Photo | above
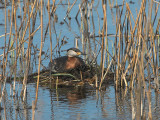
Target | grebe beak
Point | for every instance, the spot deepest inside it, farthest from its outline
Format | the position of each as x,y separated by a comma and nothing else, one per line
80,53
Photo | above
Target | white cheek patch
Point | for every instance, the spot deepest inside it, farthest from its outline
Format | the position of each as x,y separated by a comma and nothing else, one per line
71,53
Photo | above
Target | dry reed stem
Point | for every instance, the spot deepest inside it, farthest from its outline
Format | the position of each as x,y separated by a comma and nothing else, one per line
5,110
3,61
4,88
156,2
49,17
118,57
5,56
152,51
31,13
148,92
28,56
16,37
33,110
57,83
5,23
40,53
140,11
119,66
105,74
155,14
133,105
4,35
138,98
128,8
103,49
135,69
31,35
116,49
54,7
123,76
68,11
52,11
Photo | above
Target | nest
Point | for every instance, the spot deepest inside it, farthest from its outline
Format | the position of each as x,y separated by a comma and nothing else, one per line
71,78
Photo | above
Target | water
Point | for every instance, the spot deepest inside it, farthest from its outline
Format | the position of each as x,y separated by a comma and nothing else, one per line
74,103
71,103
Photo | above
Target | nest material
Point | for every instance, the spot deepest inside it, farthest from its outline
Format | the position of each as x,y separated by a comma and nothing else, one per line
70,78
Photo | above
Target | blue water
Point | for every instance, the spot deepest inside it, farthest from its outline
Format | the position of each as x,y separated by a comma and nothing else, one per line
71,103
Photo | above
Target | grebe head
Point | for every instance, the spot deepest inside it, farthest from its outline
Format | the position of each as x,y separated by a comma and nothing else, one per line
72,52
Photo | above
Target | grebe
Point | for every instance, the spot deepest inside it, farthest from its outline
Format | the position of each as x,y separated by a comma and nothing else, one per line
69,62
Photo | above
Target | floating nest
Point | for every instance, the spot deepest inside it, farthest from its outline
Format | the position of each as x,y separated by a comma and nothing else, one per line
72,78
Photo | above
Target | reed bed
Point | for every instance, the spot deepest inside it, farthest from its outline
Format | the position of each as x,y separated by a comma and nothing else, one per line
134,60
136,44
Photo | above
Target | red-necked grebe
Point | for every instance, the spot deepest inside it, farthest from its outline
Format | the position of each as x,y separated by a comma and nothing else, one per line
69,62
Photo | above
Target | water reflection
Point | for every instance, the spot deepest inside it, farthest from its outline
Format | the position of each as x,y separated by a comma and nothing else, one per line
78,103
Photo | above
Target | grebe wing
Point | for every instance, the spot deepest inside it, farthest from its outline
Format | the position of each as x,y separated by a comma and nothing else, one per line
58,64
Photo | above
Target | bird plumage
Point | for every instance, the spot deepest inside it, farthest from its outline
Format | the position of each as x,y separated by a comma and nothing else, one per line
69,62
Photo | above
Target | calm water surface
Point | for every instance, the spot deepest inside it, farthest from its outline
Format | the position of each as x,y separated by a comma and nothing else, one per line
75,103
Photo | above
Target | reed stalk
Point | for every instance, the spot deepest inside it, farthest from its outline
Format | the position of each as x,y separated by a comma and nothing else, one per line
118,56
50,36
16,37
148,92
33,110
133,106
31,13
57,83
68,11
104,42
138,98
52,12
104,75
5,56
105,45
5,110
36,98
115,45
28,56
3,72
5,32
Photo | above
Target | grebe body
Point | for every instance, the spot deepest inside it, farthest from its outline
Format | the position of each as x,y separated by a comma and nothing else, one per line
69,62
